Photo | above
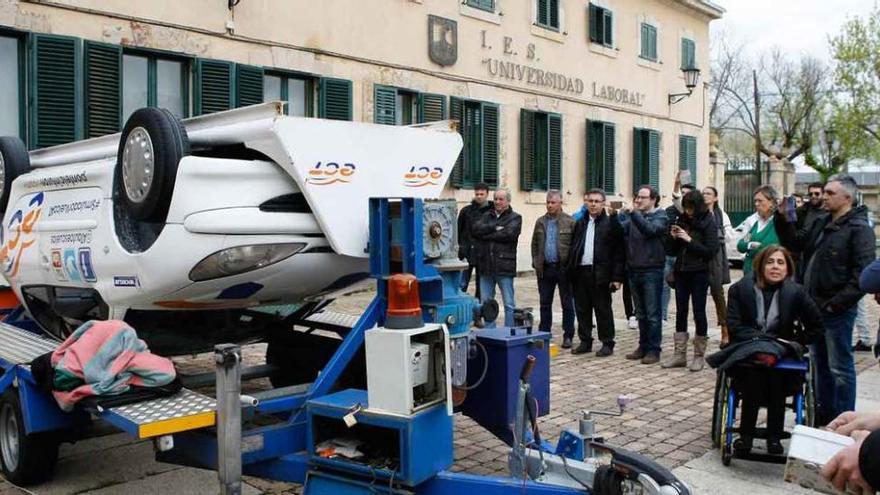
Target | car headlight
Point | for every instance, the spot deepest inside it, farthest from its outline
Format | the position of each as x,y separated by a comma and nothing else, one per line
241,259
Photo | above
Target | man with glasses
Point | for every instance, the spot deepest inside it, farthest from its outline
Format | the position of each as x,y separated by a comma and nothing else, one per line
551,242
645,259
596,269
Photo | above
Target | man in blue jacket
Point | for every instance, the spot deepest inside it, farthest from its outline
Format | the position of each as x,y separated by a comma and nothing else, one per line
645,259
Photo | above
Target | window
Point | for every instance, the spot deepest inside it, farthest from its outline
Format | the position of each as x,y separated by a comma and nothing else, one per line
395,106
11,77
600,156
152,80
687,155
646,157
487,5
548,14
649,42
601,25
540,154
297,90
478,125
688,54
55,106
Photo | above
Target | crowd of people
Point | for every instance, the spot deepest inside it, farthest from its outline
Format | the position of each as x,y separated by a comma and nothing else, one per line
800,287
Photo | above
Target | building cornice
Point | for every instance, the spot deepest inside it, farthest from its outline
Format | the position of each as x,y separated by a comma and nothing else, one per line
706,7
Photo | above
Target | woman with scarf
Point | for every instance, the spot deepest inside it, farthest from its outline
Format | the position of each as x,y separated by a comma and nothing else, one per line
770,317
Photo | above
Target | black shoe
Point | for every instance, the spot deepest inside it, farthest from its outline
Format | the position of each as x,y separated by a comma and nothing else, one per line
605,351
566,342
774,446
861,347
743,445
583,348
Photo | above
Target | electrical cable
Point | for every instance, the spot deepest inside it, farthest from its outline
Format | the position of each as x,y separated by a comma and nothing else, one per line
467,387
572,476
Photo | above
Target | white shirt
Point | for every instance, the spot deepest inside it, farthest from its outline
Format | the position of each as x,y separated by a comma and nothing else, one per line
589,241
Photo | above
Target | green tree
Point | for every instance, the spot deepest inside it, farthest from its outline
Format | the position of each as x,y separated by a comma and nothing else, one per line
856,51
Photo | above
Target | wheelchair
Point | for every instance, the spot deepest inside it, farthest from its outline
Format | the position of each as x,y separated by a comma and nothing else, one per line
727,401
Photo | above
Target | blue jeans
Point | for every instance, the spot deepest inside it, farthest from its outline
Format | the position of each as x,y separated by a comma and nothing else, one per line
664,303
835,366
647,288
487,292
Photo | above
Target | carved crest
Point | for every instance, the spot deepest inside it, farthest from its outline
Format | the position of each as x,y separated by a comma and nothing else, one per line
442,40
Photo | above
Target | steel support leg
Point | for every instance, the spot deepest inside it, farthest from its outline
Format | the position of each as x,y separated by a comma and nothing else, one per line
228,360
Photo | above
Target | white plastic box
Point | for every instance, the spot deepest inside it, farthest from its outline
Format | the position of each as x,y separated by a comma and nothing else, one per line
810,449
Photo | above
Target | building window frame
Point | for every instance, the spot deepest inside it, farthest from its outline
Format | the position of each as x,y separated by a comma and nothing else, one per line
600,25
21,40
311,88
687,155
646,157
649,41
601,156
479,123
153,56
541,153
417,107
548,14
484,5
688,53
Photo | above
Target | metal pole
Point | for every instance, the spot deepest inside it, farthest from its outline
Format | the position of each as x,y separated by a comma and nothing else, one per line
758,129
228,360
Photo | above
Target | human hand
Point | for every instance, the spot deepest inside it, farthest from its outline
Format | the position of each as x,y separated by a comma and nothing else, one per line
754,245
843,469
851,421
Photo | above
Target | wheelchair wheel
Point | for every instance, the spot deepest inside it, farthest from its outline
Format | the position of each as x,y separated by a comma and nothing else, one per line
717,413
726,457
810,397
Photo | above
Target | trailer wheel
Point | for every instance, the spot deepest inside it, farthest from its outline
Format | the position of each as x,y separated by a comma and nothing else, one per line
153,142
25,459
14,161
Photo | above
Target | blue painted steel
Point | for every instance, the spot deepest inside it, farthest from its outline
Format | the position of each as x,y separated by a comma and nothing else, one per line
446,483
39,409
793,365
321,483
571,445
731,414
799,408
424,439
492,404
292,468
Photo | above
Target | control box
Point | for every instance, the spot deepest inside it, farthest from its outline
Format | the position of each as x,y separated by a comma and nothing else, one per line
407,369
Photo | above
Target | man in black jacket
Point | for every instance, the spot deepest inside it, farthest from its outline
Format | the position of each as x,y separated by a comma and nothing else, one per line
596,268
836,247
498,231
468,247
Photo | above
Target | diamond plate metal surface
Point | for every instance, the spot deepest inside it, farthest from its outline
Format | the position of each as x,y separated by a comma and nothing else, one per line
334,318
184,403
21,347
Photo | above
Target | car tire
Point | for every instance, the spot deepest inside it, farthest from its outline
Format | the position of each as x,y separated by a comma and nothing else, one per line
24,459
152,145
14,161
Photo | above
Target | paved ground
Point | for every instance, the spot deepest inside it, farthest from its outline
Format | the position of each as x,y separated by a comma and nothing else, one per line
668,419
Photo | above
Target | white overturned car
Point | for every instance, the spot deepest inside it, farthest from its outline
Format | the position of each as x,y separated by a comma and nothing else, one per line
188,230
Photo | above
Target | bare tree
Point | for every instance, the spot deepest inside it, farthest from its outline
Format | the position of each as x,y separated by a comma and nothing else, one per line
727,66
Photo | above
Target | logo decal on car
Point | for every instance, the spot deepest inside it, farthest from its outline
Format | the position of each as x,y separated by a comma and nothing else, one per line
423,176
85,265
58,265
128,281
71,268
21,236
324,174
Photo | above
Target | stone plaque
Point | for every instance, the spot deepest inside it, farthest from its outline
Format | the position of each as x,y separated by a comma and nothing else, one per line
442,40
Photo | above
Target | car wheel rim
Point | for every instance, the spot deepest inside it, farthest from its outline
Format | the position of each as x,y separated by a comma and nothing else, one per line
9,441
138,165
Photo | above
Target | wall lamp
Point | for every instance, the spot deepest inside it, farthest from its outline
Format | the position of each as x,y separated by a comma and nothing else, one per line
691,76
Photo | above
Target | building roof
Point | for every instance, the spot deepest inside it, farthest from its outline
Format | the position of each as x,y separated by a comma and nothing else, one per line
707,7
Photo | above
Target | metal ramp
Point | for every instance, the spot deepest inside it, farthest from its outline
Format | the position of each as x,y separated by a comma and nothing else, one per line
329,320
186,410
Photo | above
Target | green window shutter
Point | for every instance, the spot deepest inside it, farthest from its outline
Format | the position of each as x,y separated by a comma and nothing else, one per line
554,151
607,27
608,158
490,144
543,17
213,86
639,156
385,105
432,107
688,54
55,110
654,158
594,15
248,85
594,144
488,5
334,99
526,150
103,109
652,36
687,155
455,110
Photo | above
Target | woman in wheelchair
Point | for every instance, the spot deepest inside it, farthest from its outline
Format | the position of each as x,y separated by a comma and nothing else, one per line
769,317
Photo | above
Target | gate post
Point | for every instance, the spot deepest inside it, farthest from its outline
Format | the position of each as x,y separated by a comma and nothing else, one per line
717,165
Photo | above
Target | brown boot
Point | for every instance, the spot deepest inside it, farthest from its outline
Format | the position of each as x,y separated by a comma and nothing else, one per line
700,342
679,353
636,354
725,336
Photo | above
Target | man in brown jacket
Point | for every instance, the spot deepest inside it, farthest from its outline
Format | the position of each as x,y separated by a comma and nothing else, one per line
551,242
